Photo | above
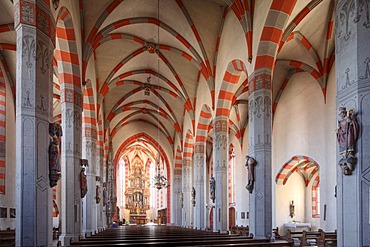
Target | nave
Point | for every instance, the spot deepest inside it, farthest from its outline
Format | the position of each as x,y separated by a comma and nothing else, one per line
201,114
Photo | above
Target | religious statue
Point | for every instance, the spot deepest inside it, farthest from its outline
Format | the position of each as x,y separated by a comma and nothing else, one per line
347,134
97,197
291,209
181,199
104,194
193,196
212,188
250,163
55,131
83,182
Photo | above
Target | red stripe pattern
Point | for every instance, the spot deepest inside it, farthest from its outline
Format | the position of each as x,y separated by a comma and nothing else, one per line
304,165
2,132
315,198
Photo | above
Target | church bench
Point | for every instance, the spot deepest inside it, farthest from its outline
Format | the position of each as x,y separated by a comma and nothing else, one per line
280,243
169,242
7,238
327,239
239,230
307,238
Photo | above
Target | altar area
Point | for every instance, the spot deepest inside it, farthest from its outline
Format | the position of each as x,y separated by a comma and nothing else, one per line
297,226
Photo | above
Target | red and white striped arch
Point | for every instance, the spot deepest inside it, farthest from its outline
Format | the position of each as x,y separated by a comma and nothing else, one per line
303,165
55,205
178,162
272,33
300,16
203,127
315,197
226,95
2,132
243,11
188,146
66,55
89,114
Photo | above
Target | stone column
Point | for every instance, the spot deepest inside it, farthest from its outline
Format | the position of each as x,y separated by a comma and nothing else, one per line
89,205
71,107
99,179
352,57
200,188
33,114
220,162
186,193
110,186
260,124
177,197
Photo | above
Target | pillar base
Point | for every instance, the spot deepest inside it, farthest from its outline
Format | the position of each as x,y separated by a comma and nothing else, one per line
66,239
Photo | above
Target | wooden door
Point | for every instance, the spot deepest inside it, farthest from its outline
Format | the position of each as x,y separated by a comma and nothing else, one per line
231,217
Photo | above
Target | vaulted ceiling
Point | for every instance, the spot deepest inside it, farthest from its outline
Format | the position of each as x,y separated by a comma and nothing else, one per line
152,63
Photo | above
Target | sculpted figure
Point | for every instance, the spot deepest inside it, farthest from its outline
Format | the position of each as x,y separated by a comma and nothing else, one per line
250,163
212,188
97,192
55,131
83,182
347,134
193,196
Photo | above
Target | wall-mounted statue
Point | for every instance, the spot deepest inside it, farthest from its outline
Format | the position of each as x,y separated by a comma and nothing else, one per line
97,196
212,188
291,209
250,163
104,194
193,196
83,182
55,131
347,134
181,199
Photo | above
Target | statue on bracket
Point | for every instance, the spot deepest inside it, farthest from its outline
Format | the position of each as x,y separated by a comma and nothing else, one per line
193,196
55,131
83,180
347,134
250,163
291,209
212,188
97,192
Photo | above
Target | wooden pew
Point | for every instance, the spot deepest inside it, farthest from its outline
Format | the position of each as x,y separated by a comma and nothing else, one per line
309,238
171,236
327,239
7,238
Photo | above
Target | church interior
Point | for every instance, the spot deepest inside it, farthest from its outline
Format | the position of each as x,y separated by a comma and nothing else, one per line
198,115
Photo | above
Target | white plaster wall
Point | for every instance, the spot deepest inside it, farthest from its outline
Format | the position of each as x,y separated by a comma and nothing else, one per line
242,195
8,200
303,125
329,171
293,190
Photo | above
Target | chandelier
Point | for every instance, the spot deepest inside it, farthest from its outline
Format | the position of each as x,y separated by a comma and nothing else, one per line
159,180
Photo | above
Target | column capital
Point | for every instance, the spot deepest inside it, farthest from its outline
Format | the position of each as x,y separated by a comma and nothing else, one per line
260,80
36,14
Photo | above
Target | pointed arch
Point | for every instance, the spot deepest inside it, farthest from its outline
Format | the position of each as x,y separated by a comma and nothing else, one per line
303,165
226,95
67,58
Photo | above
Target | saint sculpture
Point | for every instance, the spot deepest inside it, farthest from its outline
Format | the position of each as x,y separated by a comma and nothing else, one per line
347,135
55,131
250,163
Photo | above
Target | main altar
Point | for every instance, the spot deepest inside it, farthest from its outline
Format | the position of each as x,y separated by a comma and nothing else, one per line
138,193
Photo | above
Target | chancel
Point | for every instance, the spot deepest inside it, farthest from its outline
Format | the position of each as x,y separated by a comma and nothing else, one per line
184,122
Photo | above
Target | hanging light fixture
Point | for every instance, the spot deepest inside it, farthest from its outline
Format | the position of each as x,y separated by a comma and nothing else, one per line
160,181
